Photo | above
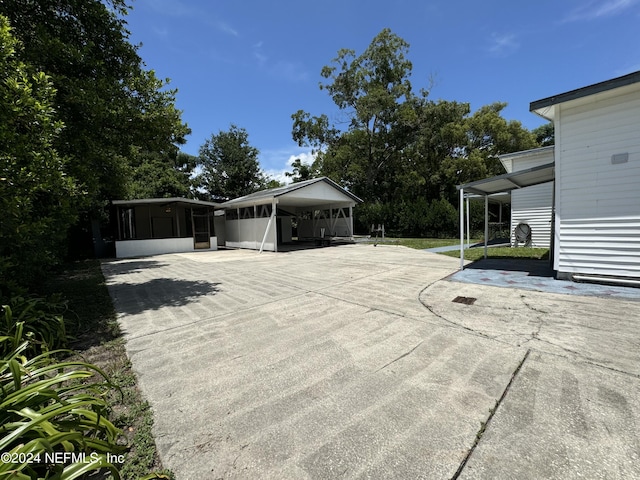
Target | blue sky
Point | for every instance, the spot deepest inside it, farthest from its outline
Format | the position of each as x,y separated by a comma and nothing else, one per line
254,63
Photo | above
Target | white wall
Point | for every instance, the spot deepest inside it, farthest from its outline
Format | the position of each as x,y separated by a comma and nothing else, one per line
533,205
341,228
157,246
597,202
249,232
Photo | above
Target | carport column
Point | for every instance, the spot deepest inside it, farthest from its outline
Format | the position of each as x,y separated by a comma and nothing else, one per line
351,219
486,223
468,229
462,229
331,220
274,214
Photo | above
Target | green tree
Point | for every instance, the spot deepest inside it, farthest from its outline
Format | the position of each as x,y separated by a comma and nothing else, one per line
162,176
374,92
111,106
401,152
35,192
302,171
486,136
545,134
230,166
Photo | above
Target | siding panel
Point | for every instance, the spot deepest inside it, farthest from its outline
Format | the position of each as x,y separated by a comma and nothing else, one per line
532,205
598,208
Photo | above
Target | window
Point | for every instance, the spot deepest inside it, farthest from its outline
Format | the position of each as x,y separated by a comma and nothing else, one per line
127,221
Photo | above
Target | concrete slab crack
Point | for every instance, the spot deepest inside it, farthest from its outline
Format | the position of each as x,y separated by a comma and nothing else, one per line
484,425
401,356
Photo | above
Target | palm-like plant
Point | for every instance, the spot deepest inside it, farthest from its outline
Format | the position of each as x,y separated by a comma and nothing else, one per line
48,406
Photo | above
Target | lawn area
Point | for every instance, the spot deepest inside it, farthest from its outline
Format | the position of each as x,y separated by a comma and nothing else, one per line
469,254
419,243
501,252
96,338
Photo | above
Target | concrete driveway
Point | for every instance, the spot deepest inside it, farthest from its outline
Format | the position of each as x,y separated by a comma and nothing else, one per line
353,362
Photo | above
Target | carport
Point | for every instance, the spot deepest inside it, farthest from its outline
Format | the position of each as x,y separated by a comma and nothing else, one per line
319,209
500,185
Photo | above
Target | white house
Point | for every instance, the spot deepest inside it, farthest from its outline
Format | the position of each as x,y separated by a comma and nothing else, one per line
531,205
597,178
595,233
264,220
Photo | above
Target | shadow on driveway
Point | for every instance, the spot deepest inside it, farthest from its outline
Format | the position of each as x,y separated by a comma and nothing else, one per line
135,298
137,266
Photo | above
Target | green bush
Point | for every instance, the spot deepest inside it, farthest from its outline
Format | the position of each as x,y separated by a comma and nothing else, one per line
41,323
47,408
442,219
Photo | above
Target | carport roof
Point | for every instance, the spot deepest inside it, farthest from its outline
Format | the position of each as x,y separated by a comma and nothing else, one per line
264,195
511,181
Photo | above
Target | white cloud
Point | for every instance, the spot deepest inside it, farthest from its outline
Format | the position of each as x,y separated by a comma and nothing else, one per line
261,58
293,72
503,44
306,158
274,164
279,175
226,28
177,8
596,9
161,32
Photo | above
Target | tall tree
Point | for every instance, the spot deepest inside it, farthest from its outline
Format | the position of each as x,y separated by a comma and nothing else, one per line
401,152
487,135
302,171
230,166
111,106
158,175
545,134
35,193
374,90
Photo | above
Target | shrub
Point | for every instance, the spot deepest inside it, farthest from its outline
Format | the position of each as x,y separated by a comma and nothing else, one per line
41,323
442,219
49,407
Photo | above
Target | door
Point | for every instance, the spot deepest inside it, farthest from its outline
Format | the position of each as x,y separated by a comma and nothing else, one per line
201,230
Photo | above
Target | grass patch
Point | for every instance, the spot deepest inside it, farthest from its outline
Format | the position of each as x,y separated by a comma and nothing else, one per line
501,252
96,338
418,243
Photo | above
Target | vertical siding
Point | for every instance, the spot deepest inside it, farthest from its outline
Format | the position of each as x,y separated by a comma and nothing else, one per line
598,207
532,205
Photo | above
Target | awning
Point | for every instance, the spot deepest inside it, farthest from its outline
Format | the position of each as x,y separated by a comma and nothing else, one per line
500,184
511,181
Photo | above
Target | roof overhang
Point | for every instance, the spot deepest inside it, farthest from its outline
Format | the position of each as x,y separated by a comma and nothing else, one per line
511,181
546,106
315,192
165,201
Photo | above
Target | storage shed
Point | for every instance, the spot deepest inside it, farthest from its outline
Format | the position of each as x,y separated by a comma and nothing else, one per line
319,209
163,225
